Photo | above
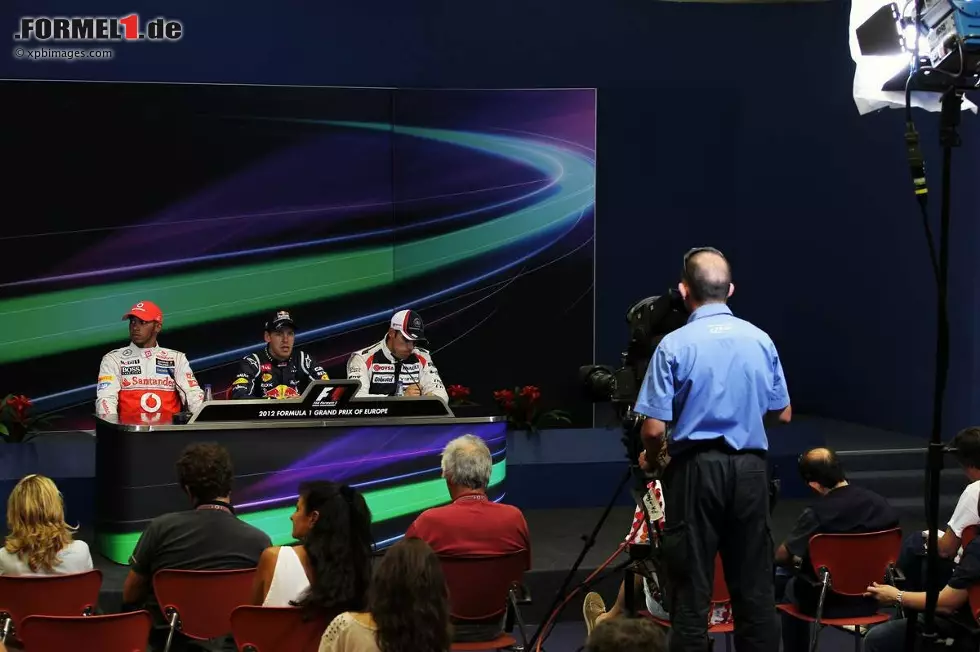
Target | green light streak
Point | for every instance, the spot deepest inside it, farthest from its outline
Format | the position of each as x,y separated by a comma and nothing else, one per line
52,322
385,504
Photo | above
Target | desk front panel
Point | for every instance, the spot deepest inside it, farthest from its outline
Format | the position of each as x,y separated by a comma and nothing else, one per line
395,467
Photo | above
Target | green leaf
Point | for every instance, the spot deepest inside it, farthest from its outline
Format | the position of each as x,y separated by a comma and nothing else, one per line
3,430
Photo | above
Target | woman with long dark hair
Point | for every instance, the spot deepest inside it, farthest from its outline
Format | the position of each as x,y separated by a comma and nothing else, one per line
408,607
330,570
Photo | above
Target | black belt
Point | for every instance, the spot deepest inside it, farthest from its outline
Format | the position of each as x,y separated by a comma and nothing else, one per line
717,444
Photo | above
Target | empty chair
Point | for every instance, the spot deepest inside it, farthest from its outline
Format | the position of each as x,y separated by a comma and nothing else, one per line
126,632
275,629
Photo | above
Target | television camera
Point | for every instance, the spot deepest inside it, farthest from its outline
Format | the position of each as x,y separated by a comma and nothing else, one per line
649,321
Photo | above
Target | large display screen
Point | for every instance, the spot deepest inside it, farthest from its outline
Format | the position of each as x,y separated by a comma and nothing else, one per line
221,203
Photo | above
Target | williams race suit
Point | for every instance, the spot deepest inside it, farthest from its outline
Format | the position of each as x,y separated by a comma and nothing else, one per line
261,375
138,385
381,375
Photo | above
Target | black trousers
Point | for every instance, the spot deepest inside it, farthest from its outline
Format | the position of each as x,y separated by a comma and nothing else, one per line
717,501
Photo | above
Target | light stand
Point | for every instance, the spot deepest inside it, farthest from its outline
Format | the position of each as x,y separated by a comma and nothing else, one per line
948,138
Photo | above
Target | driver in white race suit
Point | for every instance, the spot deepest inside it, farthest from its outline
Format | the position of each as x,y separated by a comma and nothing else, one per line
395,366
143,382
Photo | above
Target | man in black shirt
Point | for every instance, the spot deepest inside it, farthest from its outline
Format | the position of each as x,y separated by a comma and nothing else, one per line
279,370
843,508
952,607
207,537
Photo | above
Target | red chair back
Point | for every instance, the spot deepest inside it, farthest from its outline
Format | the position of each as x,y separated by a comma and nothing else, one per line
969,534
276,629
203,600
719,593
478,586
126,632
975,601
49,595
855,560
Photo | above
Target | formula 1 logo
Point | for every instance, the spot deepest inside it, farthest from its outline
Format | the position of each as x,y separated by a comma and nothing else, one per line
97,29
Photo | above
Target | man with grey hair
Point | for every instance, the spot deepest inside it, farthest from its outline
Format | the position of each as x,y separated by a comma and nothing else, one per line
471,525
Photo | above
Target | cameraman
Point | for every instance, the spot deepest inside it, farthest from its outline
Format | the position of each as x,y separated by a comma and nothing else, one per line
716,380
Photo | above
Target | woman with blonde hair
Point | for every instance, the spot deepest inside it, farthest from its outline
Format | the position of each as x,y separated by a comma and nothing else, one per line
40,541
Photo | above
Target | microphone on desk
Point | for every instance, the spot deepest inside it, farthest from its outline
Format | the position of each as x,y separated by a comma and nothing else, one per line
182,417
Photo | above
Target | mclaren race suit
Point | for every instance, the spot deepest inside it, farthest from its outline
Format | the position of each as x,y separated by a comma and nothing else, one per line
381,375
146,385
261,375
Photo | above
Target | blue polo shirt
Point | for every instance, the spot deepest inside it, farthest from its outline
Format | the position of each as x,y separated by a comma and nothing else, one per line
714,378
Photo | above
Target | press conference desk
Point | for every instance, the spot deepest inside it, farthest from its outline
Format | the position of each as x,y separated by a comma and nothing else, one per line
393,460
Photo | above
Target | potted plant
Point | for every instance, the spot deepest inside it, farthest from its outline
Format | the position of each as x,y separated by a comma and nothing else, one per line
17,419
459,395
522,409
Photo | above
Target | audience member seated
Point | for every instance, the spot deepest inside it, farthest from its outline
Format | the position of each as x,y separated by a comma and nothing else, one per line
594,608
40,541
330,570
206,537
912,560
842,508
627,635
952,609
471,525
408,607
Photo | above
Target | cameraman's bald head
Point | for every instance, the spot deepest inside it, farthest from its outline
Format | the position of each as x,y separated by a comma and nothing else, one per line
707,277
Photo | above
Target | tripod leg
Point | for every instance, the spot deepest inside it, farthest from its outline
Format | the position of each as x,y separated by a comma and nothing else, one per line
589,543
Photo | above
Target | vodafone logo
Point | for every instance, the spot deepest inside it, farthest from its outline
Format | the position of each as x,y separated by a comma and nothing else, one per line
150,402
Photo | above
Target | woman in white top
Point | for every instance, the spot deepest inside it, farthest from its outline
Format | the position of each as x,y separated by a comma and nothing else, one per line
330,570
40,541
408,607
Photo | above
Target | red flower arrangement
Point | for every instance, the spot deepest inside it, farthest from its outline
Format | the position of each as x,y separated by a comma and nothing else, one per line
521,407
16,420
459,395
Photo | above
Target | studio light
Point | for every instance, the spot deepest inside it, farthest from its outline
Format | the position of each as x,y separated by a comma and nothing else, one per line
930,44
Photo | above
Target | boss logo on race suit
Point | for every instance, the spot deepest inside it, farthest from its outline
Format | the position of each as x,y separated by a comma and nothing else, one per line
383,368
131,371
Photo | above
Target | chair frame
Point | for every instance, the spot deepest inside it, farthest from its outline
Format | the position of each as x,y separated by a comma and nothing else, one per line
892,575
517,594
171,613
9,628
106,618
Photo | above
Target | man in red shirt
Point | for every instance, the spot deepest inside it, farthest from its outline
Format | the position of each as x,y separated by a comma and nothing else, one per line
471,525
